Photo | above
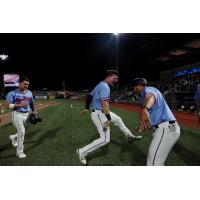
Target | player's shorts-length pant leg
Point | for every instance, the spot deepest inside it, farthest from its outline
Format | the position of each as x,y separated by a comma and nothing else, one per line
98,119
164,138
117,121
19,120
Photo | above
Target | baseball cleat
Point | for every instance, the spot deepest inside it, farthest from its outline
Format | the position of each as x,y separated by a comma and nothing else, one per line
134,138
21,155
81,158
13,140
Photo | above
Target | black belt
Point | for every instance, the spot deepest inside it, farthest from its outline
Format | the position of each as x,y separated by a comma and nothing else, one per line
22,111
99,110
157,125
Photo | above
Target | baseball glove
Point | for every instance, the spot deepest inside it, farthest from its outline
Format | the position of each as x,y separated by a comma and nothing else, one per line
34,119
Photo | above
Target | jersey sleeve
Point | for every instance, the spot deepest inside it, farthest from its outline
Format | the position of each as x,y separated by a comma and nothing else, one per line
104,93
10,98
151,91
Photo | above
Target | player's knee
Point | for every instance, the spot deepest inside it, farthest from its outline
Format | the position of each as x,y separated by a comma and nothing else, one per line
105,143
107,140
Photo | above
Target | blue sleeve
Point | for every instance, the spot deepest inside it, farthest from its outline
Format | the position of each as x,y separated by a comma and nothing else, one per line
151,91
104,93
10,97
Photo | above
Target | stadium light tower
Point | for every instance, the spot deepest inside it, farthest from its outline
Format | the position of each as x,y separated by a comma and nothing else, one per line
116,50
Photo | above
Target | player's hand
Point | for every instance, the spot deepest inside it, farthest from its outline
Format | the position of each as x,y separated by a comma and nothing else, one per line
144,120
2,111
35,112
83,112
106,125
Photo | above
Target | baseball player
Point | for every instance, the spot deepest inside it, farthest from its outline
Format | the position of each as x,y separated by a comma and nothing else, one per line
21,102
102,117
155,114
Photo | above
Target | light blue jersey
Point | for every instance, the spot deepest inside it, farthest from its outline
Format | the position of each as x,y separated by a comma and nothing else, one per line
197,94
100,92
17,97
160,112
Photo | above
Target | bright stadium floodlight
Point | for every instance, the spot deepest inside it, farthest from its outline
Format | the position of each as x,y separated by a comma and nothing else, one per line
3,57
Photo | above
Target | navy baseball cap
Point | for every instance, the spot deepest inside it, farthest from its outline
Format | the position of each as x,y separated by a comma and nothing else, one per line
139,81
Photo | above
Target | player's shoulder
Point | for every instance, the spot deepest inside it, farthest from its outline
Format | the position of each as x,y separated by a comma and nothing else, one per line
103,84
13,92
28,91
152,90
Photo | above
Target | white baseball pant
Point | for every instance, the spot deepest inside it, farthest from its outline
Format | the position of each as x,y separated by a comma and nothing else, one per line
19,122
164,138
99,119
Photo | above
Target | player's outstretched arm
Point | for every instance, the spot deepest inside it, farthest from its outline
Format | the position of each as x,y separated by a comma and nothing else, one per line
144,116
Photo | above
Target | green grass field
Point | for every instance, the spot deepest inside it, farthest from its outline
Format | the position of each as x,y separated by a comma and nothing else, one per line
55,140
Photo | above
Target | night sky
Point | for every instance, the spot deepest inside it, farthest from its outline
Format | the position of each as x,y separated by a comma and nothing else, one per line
82,59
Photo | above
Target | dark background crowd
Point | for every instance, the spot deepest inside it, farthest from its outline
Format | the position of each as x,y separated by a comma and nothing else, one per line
178,92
